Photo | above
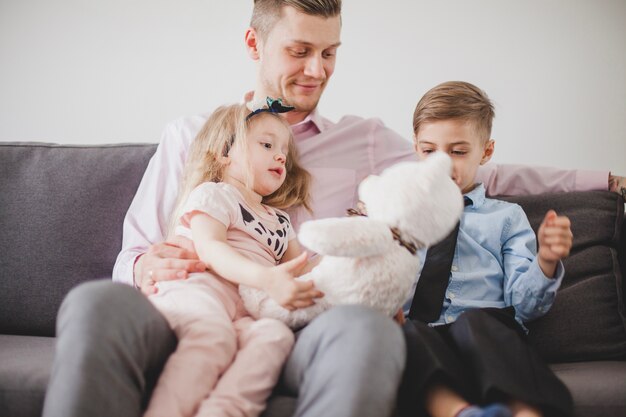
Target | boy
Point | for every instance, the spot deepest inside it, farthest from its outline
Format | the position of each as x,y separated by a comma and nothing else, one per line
473,349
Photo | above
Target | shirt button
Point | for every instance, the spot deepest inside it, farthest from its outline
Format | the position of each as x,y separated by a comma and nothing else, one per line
448,318
451,296
454,268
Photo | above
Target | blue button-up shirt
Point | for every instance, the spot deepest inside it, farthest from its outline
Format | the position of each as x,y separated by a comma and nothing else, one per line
495,263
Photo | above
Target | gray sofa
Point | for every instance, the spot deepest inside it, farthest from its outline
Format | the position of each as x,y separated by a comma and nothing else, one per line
61,212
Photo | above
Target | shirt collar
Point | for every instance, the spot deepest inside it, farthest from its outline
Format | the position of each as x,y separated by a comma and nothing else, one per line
313,119
477,196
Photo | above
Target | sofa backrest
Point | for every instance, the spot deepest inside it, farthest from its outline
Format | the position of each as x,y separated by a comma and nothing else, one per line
587,320
61,214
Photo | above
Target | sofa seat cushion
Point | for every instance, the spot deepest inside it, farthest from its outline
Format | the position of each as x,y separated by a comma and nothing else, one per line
598,388
25,365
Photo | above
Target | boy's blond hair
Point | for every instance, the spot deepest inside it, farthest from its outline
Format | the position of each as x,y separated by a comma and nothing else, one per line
226,128
267,12
456,100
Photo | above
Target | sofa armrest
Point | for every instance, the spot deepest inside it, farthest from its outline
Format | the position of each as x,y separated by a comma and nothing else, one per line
587,320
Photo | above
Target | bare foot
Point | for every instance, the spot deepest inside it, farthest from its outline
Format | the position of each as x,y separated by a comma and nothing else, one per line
442,401
521,409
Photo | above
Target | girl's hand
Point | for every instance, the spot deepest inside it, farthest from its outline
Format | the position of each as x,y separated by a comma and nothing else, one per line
285,290
555,241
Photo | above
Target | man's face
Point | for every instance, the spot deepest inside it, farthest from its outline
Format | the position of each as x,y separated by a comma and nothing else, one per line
297,58
460,140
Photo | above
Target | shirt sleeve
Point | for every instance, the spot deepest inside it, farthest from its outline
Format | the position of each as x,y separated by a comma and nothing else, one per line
526,287
212,199
148,215
524,180
387,148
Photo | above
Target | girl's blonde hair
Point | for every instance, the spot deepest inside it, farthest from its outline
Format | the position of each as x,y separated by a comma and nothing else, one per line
206,162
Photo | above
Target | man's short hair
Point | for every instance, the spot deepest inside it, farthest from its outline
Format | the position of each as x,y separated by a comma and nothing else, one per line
456,100
267,12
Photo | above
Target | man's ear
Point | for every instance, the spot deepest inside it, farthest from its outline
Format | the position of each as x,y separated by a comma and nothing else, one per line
488,152
252,43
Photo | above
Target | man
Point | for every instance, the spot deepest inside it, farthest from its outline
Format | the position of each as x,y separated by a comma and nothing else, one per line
349,361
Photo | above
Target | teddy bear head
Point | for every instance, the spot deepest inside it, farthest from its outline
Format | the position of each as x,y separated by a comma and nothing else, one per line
419,199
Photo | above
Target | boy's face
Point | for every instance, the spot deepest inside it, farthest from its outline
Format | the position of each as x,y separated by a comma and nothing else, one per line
297,58
460,140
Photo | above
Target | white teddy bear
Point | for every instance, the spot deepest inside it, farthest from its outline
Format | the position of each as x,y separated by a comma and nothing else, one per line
370,260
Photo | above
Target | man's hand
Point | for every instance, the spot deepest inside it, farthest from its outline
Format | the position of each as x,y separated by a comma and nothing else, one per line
170,260
555,241
617,184
285,290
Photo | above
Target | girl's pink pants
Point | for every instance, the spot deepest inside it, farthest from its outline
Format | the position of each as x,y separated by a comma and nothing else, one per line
226,363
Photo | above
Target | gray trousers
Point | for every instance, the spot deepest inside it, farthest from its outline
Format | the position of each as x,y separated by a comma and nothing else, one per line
112,344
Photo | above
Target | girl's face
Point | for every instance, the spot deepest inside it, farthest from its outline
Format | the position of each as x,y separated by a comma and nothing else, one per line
267,153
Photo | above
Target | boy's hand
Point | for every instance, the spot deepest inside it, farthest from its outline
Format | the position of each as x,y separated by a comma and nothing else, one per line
399,317
285,290
555,241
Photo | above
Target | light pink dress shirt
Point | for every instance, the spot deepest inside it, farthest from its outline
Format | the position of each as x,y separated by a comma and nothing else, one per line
338,156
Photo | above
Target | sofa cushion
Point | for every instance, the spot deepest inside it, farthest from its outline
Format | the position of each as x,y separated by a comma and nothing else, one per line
61,214
25,365
280,406
598,388
587,319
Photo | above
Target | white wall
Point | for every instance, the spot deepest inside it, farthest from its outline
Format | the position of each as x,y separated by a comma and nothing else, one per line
86,71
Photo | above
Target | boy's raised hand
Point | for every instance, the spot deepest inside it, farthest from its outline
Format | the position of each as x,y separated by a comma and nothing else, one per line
281,285
555,241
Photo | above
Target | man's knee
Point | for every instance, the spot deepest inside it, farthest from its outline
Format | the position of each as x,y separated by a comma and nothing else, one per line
94,294
102,310
101,301
361,328
113,332
355,347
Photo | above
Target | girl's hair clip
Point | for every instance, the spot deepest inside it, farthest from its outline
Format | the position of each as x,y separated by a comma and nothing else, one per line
273,106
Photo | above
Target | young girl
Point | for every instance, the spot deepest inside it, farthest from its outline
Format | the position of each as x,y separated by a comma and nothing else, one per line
241,171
